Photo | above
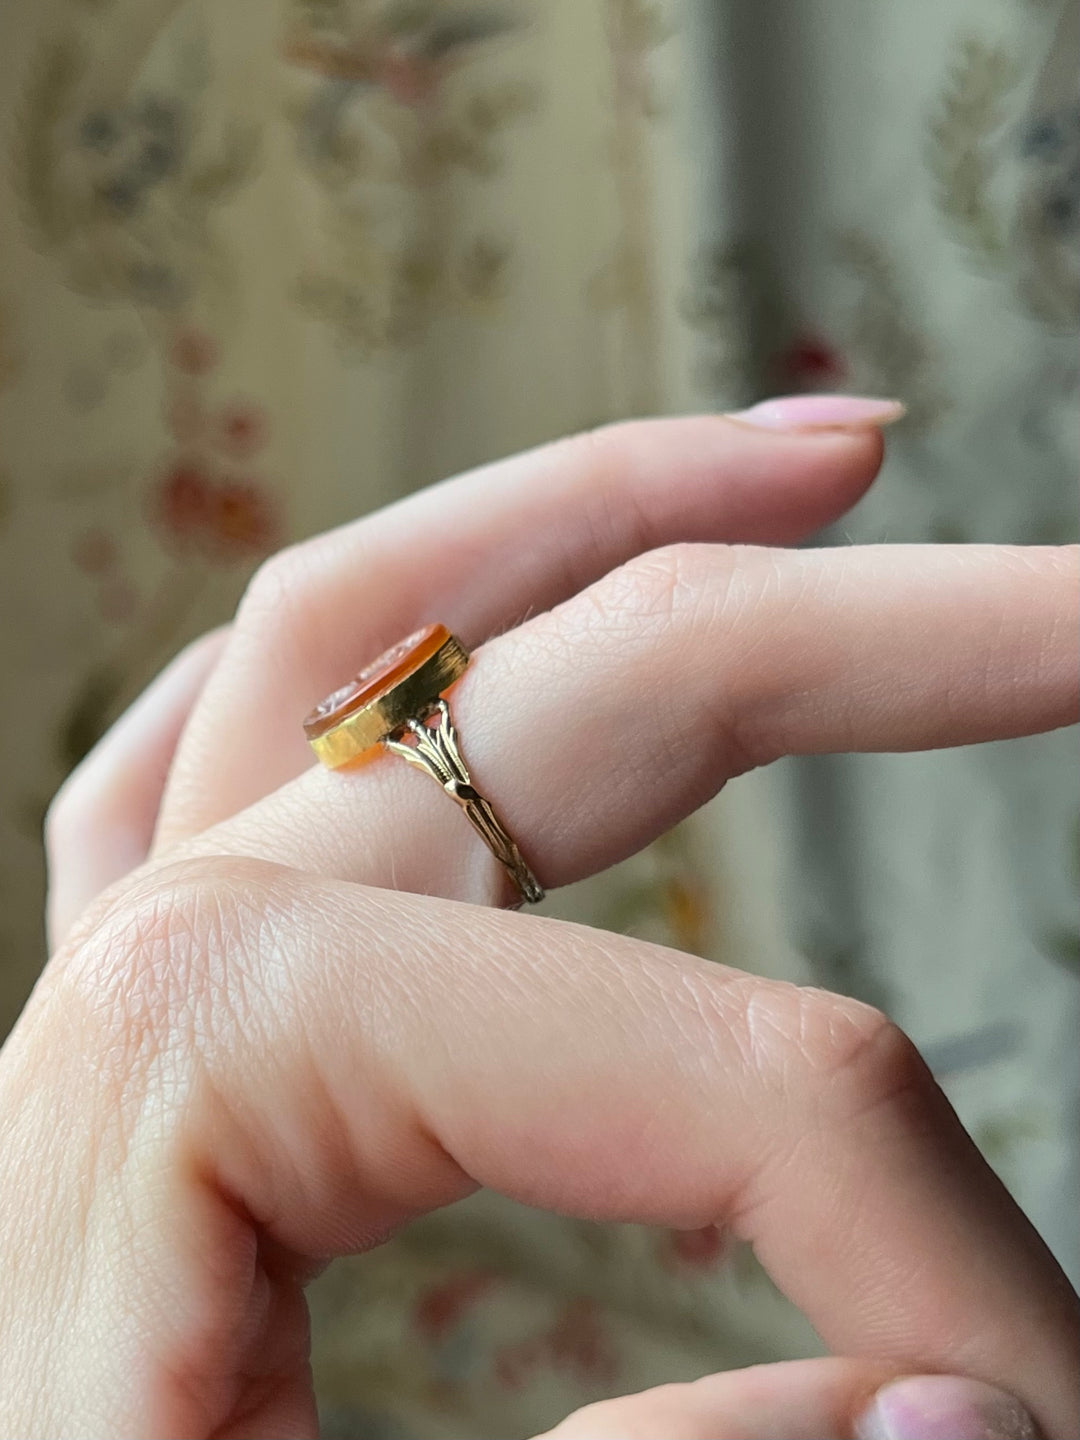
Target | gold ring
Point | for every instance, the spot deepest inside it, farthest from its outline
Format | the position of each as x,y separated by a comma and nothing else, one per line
398,701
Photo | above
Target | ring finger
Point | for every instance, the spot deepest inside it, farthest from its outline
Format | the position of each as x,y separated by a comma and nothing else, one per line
596,726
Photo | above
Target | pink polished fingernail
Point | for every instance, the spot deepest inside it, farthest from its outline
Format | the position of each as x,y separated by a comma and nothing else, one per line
943,1407
821,412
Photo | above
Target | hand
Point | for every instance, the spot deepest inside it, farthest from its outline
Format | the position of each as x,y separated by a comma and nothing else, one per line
245,1058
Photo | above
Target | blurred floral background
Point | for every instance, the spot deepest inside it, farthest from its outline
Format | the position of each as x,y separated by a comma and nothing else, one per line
266,264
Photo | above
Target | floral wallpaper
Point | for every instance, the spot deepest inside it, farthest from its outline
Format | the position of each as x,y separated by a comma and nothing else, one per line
267,264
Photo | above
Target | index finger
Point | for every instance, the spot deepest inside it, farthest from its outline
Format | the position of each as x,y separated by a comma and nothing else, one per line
363,1056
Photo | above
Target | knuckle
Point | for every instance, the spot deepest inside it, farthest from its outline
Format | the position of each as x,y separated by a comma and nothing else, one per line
588,453
699,583
670,579
687,594
886,1072
616,513
851,1058
838,1072
153,968
600,454
664,584
129,1010
133,969
276,589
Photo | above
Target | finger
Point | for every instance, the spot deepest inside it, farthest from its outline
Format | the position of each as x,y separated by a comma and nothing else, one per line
806,1400
101,821
478,553
359,1056
800,1400
596,727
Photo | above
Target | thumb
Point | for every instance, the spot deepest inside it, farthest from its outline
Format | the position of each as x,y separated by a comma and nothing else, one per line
807,1400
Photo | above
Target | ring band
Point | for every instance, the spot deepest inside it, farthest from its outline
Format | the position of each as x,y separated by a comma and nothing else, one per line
435,749
398,702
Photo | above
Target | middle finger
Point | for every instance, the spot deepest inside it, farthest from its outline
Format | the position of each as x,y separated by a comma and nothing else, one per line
478,553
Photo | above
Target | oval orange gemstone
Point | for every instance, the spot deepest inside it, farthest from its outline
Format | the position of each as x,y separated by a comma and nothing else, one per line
376,679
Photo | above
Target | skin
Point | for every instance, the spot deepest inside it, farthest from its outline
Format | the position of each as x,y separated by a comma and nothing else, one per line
284,1014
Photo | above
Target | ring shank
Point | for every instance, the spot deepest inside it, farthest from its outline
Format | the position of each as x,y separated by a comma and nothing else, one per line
392,703
436,750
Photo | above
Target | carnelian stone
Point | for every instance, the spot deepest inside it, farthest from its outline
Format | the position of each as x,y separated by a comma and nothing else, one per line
376,679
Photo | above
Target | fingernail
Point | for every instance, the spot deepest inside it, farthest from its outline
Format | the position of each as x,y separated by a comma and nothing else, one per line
943,1407
821,412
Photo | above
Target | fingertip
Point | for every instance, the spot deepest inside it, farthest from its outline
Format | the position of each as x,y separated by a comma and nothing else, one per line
714,478
799,1399
943,1407
827,1399
840,467
794,482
